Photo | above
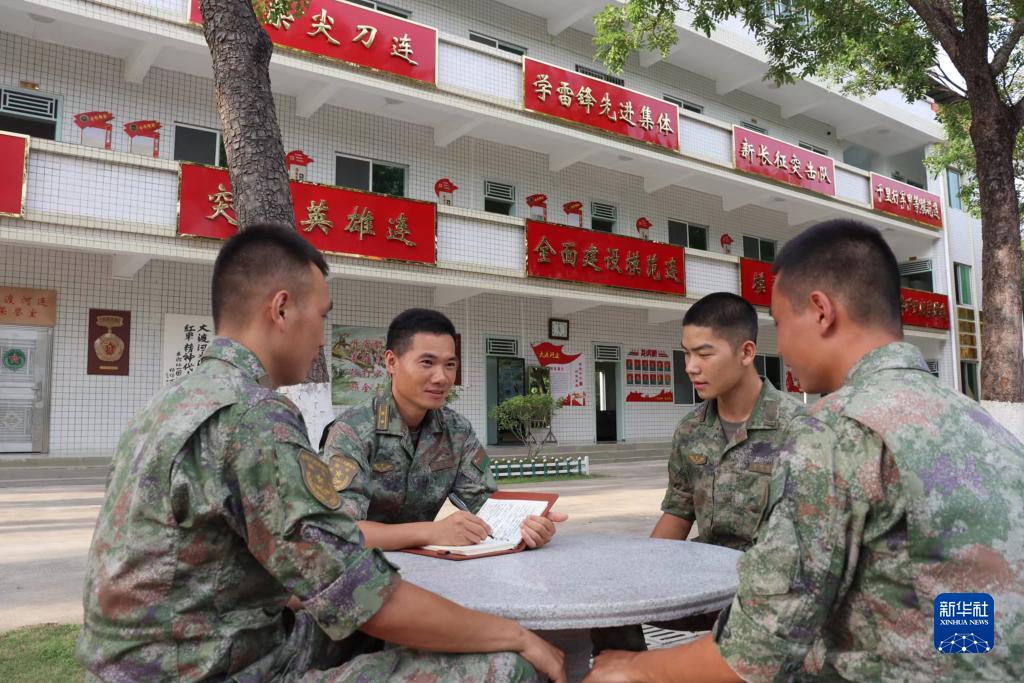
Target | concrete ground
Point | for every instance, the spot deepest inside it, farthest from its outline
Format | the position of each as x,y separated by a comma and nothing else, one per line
46,527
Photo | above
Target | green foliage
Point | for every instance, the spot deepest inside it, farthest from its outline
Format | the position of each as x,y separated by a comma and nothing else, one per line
519,414
275,10
39,653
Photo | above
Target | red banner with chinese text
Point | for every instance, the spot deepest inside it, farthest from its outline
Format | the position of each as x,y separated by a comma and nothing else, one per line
357,35
334,220
756,281
925,309
13,174
565,94
765,156
905,201
569,254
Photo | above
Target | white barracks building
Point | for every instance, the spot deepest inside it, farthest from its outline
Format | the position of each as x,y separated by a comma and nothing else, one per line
467,155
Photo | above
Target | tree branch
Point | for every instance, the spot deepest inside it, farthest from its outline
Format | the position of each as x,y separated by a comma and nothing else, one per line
939,19
1002,56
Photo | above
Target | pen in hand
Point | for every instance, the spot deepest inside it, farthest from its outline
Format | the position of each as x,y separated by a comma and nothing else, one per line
459,503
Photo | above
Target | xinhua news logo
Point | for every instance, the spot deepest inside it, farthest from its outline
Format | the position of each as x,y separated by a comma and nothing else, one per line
964,623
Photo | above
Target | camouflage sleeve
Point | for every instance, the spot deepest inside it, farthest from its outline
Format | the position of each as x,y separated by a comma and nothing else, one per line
289,515
348,457
790,579
474,483
678,500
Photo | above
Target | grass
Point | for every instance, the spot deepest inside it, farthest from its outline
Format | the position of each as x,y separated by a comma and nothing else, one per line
39,653
542,478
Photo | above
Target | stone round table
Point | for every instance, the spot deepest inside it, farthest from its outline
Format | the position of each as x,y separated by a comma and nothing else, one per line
579,582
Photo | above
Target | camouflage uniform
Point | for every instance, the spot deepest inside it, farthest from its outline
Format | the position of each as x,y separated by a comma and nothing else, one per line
383,477
894,490
724,485
216,512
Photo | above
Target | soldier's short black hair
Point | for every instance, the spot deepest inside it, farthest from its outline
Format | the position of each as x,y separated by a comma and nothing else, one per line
258,257
849,261
729,316
411,322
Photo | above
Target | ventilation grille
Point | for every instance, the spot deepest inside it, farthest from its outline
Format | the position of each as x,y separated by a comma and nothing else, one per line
497,346
933,367
501,191
754,127
610,354
22,103
603,211
594,73
915,267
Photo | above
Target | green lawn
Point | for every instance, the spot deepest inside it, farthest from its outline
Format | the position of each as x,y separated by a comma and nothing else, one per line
39,653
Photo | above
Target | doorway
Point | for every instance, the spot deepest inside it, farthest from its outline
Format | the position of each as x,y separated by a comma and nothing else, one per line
606,393
506,377
25,388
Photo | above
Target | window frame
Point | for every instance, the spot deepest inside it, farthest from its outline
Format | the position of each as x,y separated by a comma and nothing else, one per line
960,284
58,112
684,105
600,75
811,147
499,44
763,357
689,237
953,198
679,361
614,222
511,203
384,8
372,163
218,161
760,240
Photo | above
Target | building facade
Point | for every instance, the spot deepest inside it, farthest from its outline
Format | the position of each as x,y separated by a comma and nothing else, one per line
469,156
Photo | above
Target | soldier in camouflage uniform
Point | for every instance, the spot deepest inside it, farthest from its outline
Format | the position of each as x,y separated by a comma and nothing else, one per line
723,451
894,490
396,458
217,510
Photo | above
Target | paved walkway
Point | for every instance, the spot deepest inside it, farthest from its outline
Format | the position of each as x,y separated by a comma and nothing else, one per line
45,530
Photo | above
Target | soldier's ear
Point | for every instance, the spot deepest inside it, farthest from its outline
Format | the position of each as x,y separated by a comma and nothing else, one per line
278,305
823,308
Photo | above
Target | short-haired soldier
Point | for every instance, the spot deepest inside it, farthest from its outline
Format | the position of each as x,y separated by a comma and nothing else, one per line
217,510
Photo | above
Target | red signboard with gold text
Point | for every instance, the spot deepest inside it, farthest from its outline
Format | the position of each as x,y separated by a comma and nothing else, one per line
925,309
905,201
357,35
569,254
334,220
765,156
13,174
565,94
756,281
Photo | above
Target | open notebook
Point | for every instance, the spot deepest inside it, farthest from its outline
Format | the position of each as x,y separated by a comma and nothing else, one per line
505,512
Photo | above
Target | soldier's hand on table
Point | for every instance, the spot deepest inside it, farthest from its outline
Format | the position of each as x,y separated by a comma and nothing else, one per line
612,666
460,528
547,659
537,531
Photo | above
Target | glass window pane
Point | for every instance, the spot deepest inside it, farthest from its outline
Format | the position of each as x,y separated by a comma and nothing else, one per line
193,144
773,371
751,248
698,237
602,225
496,206
953,185
767,251
389,179
682,387
353,173
759,365
969,379
36,128
963,285
677,233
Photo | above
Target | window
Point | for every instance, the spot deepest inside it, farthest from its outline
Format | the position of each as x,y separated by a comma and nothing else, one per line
917,275
688,235
754,127
369,175
759,249
769,368
602,217
28,113
969,379
494,42
780,10
682,387
386,9
684,104
499,198
813,148
954,186
963,284
199,145
594,73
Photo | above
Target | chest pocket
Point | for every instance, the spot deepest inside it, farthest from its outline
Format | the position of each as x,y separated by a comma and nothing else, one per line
443,461
387,486
750,497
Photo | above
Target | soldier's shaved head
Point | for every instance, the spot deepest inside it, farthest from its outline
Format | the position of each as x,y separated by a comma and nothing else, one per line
256,262
729,316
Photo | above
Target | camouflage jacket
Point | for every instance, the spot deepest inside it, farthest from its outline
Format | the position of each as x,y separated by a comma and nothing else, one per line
382,477
215,513
894,490
724,485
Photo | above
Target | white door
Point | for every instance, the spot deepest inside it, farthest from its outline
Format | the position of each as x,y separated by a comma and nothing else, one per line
24,388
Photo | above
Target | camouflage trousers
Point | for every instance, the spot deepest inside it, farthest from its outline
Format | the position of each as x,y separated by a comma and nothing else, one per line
309,656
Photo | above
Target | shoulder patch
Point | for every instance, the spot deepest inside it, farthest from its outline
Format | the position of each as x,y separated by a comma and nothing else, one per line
343,471
480,460
697,459
317,478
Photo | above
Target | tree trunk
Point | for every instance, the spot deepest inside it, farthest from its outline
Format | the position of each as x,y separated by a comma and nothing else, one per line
240,51
993,131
